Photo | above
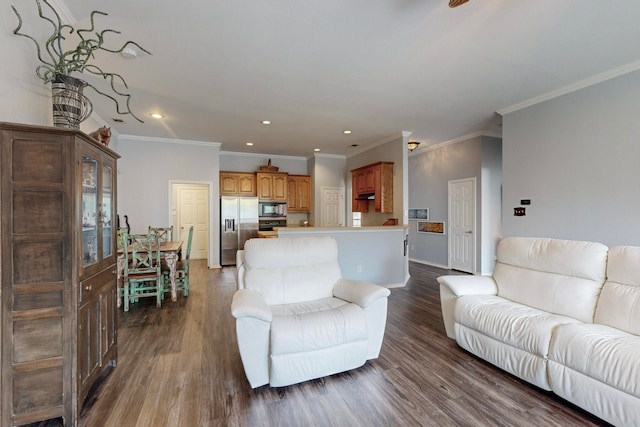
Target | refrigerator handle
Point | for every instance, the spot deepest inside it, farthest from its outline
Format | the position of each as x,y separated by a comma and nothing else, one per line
233,224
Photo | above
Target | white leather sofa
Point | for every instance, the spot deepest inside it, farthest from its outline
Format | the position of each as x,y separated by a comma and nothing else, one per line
563,315
296,318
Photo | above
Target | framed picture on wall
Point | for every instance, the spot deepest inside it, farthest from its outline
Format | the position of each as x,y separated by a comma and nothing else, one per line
433,227
419,213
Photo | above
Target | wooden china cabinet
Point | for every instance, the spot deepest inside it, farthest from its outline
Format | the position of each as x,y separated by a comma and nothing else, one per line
58,270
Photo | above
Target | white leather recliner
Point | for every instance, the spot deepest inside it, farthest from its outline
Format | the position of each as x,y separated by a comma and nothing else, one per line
296,317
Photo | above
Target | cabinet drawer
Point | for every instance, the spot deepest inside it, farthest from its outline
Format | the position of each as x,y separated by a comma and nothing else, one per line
92,286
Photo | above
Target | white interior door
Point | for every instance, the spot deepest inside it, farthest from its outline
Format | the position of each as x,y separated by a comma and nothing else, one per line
192,209
462,233
332,207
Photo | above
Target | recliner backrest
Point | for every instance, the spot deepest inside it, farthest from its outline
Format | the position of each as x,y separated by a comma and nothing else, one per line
559,276
619,303
288,270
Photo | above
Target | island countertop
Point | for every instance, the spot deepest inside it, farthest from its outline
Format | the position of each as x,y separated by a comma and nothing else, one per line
316,230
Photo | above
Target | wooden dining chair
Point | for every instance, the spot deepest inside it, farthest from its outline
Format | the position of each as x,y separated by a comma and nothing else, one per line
182,269
142,268
165,234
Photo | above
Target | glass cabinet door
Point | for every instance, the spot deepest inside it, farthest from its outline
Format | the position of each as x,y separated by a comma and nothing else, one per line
90,213
106,211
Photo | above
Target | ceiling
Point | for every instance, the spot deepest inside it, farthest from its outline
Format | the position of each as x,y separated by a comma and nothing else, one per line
376,68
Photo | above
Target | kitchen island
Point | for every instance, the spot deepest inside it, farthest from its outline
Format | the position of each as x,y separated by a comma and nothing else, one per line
373,254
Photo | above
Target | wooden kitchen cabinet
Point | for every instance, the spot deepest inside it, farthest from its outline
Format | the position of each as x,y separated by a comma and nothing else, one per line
299,193
58,267
237,183
272,186
376,179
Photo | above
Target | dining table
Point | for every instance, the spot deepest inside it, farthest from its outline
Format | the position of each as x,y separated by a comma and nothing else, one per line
170,252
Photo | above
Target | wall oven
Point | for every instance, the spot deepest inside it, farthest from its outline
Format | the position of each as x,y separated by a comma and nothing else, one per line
266,224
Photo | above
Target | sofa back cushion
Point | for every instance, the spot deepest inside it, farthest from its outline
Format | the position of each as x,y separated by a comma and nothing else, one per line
619,303
558,276
289,270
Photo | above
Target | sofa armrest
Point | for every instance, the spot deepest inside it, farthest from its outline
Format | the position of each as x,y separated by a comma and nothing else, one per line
361,293
248,303
469,285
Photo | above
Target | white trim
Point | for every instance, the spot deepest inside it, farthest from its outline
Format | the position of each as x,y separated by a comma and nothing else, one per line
332,156
419,261
474,218
210,185
589,81
374,145
270,156
463,138
168,140
66,16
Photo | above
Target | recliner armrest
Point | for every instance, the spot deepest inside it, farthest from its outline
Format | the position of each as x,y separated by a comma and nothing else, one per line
469,285
248,303
361,293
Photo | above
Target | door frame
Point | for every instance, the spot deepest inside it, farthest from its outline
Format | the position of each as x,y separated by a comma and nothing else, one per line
173,214
474,241
343,209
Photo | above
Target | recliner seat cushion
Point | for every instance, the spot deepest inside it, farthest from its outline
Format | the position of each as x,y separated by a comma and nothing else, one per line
606,354
317,329
515,324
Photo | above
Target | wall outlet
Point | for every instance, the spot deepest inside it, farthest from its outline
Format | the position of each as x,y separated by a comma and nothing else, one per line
359,269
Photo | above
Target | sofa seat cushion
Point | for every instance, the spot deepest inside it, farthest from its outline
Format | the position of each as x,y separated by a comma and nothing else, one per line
606,354
515,324
306,330
323,304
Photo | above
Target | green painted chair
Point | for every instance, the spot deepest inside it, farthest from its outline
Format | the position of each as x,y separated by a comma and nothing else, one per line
165,234
142,270
182,270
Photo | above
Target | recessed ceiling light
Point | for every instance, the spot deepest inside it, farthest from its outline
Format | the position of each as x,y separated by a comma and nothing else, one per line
250,144
346,132
266,122
157,115
354,145
316,149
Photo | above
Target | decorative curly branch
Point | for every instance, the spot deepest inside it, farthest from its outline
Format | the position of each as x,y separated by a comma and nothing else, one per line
65,62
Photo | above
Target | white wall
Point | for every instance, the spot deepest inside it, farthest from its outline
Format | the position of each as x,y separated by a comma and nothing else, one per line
577,157
145,171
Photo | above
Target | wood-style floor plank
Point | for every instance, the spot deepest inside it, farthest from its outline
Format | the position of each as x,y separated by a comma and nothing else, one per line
179,366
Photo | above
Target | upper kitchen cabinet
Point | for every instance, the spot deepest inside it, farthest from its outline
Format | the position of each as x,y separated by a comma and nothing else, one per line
272,186
373,182
299,193
237,183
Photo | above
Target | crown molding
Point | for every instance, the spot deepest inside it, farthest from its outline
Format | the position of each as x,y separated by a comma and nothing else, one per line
271,156
589,81
463,138
168,140
331,156
375,144
66,16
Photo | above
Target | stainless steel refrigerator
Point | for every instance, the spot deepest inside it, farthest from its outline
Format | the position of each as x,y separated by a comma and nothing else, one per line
239,222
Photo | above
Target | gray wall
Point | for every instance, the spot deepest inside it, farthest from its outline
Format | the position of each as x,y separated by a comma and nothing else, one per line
393,151
429,175
577,157
243,162
145,173
326,171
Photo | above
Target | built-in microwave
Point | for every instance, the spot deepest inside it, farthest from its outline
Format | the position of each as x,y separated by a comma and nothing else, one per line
272,209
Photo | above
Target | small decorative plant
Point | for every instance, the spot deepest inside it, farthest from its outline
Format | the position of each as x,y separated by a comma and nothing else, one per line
58,62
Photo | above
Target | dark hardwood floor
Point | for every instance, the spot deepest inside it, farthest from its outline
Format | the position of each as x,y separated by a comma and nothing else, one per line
179,366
